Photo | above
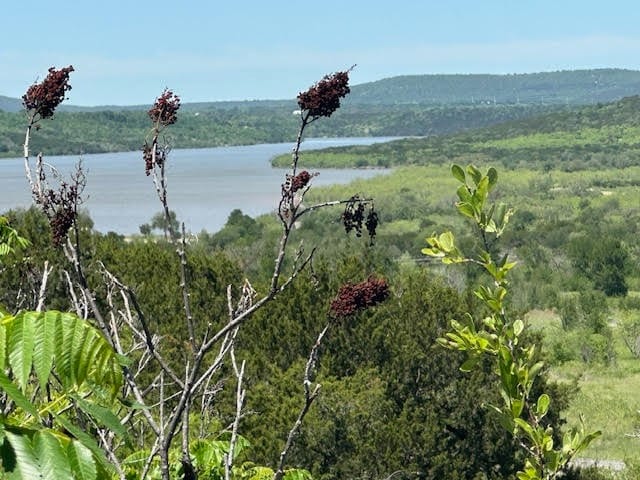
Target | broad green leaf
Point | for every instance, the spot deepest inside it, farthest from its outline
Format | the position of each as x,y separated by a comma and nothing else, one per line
87,441
51,456
492,175
63,351
476,175
518,327
446,241
466,209
20,348
27,464
528,429
81,461
542,405
535,369
458,173
552,458
517,406
78,362
44,344
482,192
101,415
464,194
82,353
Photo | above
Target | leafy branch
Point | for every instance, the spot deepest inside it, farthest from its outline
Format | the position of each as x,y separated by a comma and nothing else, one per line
515,360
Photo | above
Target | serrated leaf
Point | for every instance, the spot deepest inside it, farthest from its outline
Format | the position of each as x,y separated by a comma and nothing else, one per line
27,464
44,344
82,353
81,461
262,473
51,456
20,348
78,363
101,415
63,348
87,441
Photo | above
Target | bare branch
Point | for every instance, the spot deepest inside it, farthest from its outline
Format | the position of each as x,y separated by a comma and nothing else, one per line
43,286
240,394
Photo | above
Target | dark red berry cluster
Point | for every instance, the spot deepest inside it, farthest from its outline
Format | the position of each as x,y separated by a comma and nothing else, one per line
61,223
147,155
165,109
323,98
300,181
355,216
60,207
355,297
43,98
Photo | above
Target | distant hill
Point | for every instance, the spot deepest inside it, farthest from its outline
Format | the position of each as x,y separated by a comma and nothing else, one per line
398,106
8,104
572,87
578,138
569,87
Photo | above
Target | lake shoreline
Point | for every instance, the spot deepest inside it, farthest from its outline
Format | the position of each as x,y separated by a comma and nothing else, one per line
204,185
3,155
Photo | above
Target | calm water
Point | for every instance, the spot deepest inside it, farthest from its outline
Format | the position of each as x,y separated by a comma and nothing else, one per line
204,185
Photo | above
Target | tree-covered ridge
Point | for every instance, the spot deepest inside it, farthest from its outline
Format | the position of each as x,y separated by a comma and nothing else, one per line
74,133
421,105
594,136
562,87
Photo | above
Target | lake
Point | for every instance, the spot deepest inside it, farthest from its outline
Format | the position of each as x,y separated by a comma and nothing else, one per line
204,185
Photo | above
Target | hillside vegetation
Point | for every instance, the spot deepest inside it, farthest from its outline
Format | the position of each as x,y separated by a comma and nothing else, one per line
573,87
564,87
393,401
587,137
422,105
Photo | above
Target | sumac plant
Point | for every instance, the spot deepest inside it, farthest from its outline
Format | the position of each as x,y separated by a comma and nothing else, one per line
162,395
501,337
60,378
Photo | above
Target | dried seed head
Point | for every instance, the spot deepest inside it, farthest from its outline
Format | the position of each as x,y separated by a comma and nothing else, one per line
355,297
300,181
323,98
165,109
43,98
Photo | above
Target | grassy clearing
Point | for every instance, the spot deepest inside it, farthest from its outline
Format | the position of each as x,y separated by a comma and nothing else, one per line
607,398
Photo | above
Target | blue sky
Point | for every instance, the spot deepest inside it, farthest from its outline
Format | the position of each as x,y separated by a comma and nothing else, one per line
127,52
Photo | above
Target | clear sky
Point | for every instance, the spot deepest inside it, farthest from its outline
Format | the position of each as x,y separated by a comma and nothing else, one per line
128,51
